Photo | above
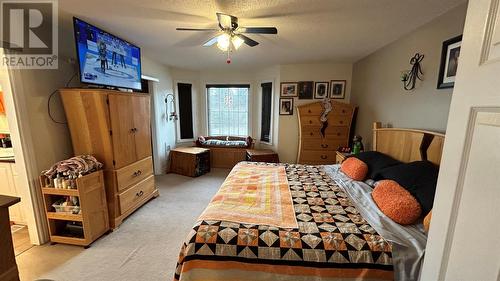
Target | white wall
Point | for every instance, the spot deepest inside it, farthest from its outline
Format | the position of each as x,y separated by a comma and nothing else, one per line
379,93
288,124
165,129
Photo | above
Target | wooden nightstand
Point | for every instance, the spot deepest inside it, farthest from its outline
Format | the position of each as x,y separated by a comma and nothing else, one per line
340,157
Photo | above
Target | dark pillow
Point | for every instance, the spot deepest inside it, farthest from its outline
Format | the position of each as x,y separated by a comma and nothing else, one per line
376,161
419,178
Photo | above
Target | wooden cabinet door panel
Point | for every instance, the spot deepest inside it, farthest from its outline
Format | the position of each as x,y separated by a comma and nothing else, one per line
121,112
142,126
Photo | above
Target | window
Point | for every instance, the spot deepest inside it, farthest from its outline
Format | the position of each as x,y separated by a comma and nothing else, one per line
227,110
267,92
185,102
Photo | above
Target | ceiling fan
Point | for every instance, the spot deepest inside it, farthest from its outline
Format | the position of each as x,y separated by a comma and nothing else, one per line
231,34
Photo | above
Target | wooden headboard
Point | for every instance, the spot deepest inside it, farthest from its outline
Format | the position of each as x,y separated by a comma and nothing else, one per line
408,145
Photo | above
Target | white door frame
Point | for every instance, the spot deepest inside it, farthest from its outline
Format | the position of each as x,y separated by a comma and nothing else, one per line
17,115
153,87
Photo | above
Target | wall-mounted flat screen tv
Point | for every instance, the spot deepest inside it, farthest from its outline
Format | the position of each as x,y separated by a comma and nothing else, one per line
105,59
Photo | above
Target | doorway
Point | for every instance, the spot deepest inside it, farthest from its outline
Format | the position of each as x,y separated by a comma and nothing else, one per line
17,175
11,185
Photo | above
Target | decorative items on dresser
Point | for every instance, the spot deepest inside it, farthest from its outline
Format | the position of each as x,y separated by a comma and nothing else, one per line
190,161
115,128
319,140
8,266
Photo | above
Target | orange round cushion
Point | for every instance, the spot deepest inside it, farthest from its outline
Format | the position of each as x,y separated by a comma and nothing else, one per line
427,221
396,202
354,168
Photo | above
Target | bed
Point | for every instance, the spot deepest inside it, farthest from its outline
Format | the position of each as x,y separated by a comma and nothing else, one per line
301,222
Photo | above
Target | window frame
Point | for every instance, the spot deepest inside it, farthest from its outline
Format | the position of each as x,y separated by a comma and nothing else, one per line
247,85
260,101
177,110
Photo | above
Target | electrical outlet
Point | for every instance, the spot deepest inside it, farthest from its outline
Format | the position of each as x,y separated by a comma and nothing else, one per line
168,147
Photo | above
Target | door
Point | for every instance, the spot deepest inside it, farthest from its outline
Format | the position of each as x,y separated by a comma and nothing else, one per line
121,112
463,241
142,126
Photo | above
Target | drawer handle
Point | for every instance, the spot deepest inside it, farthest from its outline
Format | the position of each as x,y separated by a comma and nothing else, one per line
338,134
311,133
138,173
133,130
139,194
324,157
310,121
343,110
341,122
324,145
309,111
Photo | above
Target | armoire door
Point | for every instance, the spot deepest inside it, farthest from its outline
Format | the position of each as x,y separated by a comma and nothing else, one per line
121,112
142,126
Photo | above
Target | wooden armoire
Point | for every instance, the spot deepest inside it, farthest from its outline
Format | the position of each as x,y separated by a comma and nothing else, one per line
114,127
314,147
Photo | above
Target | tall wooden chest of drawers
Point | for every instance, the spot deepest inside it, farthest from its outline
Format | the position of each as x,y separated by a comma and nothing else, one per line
315,148
115,128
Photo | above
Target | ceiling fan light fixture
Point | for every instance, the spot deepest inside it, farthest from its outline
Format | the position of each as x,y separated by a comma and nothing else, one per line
237,41
223,42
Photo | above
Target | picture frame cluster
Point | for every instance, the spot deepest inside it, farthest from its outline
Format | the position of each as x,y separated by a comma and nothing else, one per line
304,90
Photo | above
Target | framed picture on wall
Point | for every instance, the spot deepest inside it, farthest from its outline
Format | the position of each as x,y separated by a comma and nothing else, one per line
305,90
337,89
288,89
450,54
286,106
320,90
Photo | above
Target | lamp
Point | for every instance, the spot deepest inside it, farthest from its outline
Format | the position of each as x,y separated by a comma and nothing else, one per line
237,41
223,42
173,114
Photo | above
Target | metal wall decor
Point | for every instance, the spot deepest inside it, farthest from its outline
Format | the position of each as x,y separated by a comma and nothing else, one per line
409,78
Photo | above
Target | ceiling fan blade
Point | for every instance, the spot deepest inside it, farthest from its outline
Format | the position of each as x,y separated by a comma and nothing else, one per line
260,30
196,29
227,21
211,41
248,41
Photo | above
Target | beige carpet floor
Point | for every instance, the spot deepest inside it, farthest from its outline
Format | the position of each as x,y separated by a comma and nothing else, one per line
145,247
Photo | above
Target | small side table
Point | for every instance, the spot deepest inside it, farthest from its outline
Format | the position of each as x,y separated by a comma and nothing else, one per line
264,155
190,161
340,157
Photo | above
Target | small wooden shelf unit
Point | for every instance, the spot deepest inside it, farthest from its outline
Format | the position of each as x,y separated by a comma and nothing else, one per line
93,210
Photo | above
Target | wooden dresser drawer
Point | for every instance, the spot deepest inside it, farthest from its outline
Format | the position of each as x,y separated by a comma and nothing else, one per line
315,110
318,157
132,196
331,132
339,120
323,144
134,173
312,110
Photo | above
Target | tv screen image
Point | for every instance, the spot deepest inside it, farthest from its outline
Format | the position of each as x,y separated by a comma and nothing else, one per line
105,59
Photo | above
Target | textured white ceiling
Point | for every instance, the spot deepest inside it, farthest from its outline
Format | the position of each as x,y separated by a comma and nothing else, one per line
308,30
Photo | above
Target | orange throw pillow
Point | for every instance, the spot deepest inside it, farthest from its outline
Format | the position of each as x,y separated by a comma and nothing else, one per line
427,221
354,168
396,202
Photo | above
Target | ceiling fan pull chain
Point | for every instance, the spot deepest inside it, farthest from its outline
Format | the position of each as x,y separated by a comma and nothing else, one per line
228,60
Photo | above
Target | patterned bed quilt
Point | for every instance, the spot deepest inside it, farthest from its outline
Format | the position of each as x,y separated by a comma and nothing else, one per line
283,222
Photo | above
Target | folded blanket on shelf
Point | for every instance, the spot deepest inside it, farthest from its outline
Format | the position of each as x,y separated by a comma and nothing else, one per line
82,164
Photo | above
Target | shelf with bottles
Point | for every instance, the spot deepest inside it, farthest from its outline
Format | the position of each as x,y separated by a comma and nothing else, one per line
77,211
